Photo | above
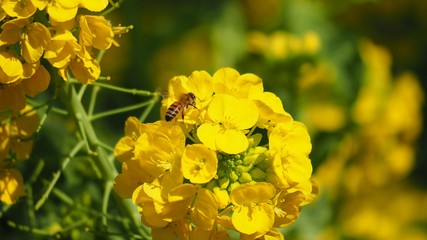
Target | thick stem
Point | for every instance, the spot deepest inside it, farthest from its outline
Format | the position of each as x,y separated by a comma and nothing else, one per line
70,98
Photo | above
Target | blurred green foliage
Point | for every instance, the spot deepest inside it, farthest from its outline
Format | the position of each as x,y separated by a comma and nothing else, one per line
264,37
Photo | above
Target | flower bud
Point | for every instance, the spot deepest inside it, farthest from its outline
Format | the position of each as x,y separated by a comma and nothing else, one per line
233,176
257,174
245,177
223,182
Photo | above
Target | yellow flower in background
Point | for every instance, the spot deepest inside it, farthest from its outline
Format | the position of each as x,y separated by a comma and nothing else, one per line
12,98
11,185
230,118
280,44
17,131
11,68
207,175
15,140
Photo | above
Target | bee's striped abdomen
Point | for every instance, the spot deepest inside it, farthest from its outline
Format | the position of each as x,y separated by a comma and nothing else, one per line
173,111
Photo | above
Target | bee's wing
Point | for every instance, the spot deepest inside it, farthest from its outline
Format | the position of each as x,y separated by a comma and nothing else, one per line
163,93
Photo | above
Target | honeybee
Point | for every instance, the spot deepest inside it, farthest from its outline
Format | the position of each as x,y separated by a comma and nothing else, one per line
185,100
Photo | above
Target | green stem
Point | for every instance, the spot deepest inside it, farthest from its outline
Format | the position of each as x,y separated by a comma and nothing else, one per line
119,110
107,194
41,232
133,91
148,109
92,102
108,171
112,8
56,175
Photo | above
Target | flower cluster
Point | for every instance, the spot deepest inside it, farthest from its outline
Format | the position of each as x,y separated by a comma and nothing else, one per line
235,161
16,143
36,29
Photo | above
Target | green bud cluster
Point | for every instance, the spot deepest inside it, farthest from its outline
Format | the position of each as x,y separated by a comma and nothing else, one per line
236,169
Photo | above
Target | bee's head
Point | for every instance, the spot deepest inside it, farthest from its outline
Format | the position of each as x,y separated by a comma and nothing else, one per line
192,95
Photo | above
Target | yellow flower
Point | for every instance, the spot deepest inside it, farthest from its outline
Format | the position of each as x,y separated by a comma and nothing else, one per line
62,48
289,148
158,152
34,37
95,31
123,150
272,234
165,203
200,84
11,185
229,81
12,98
219,179
199,163
230,117
62,10
94,5
38,82
253,211
19,8
204,209
132,176
34,42
15,135
271,111
10,68
287,209
83,67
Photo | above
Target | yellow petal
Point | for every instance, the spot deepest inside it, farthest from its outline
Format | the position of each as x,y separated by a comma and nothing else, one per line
200,83
299,167
94,5
252,192
12,97
224,79
207,133
255,219
10,68
86,71
205,209
11,185
36,83
231,141
20,9
59,13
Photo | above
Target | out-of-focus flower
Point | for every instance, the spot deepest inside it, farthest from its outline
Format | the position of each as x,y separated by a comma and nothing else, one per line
11,185
197,177
280,45
16,131
371,164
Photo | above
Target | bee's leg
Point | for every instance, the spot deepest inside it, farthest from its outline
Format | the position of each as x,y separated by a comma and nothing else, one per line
194,106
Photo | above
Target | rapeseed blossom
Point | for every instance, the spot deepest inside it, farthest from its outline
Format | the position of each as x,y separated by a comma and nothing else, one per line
16,143
53,30
236,161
